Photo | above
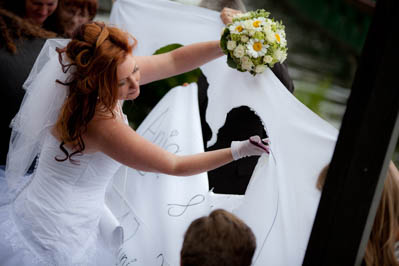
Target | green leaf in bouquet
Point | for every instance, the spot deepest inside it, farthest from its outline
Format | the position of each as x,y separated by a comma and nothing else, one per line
261,13
230,61
257,61
235,37
259,35
223,40
280,25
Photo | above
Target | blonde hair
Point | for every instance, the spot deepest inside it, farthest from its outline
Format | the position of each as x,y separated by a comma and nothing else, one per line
380,249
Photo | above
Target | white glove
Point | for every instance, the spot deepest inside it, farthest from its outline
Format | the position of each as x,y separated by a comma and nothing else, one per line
253,146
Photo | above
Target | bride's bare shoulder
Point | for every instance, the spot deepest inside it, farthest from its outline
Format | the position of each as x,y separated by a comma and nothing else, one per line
104,124
101,121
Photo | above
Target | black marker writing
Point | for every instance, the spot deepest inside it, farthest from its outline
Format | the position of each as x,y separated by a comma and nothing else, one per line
197,199
163,262
123,259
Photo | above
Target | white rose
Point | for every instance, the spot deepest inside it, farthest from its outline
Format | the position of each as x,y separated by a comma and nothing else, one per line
267,59
231,45
251,32
248,24
246,63
270,36
260,68
244,38
239,51
267,27
280,55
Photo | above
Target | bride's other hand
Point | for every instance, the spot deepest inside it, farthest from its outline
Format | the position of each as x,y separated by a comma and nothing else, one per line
253,146
227,14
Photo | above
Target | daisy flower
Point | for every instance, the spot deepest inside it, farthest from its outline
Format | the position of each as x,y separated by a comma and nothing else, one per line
236,28
280,38
258,23
256,48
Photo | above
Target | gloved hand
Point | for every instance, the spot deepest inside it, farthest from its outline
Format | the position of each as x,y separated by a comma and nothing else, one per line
253,146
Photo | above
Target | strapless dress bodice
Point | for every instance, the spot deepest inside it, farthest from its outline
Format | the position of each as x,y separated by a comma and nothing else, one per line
59,210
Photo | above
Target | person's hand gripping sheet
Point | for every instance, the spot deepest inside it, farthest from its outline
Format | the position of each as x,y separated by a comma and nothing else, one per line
252,146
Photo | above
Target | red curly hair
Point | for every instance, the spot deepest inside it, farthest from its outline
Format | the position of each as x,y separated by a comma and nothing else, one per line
94,54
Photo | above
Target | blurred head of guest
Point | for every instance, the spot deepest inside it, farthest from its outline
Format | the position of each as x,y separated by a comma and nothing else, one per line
383,243
71,14
39,10
36,11
13,28
220,239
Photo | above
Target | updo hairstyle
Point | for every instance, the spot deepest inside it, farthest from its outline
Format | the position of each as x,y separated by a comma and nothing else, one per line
92,56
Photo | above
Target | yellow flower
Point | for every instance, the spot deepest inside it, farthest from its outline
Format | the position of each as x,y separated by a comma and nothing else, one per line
239,28
278,37
257,46
256,23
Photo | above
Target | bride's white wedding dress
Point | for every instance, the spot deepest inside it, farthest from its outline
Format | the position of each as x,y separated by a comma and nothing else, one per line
53,218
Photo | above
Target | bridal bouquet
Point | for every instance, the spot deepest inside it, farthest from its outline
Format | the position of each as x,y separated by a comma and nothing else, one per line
254,42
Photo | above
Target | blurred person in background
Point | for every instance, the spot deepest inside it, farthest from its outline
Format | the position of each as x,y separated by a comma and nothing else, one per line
59,16
71,14
20,43
220,239
36,11
383,246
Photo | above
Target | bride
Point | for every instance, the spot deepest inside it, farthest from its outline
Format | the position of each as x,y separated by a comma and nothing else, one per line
77,127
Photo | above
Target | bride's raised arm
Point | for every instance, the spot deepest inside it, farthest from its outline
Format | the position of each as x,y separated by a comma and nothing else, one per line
123,144
178,61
